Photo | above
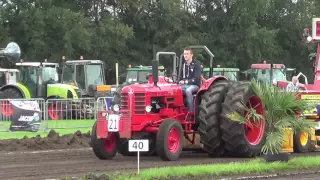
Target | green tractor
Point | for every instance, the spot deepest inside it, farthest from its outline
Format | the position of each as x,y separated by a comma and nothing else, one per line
230,73
134,75
88,76
36,80
8,76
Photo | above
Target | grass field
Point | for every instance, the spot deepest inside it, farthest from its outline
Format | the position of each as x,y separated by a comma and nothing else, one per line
212,171
60,126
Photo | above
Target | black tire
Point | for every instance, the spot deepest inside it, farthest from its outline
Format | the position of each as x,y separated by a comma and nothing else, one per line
11,93
56,110
123,145
98,145
123,149
233,133
209,117
298,146
162,140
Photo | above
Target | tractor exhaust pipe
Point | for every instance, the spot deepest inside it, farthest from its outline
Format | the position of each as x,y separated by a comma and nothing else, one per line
117,74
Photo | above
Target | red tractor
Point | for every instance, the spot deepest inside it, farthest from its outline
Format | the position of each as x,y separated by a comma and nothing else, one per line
312,91
157,111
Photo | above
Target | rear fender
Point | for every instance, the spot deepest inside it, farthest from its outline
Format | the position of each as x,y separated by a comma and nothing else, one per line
21,88
65,91
204,87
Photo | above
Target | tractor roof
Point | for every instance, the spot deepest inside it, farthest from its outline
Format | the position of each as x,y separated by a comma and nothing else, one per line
221,69
8,70
36,64
83,62
267,66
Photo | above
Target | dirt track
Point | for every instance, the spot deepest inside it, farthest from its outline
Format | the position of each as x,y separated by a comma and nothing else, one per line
58,163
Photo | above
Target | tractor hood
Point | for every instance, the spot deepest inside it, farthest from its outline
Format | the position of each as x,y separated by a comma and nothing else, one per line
163,87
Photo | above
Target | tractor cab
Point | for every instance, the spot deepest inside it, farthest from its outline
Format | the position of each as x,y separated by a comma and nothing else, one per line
139,74
87,75
265,74
35,76
276,74
230,73
8,76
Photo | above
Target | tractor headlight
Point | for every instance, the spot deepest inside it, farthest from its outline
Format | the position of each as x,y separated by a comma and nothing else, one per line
309,38
148,108
116,107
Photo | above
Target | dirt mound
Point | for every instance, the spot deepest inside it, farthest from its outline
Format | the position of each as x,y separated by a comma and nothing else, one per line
52,141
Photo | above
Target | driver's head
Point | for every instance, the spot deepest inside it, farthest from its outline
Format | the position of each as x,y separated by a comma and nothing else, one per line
294,80
188,54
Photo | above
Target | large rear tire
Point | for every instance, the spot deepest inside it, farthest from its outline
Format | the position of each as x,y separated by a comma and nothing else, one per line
209,117
242,140
6,106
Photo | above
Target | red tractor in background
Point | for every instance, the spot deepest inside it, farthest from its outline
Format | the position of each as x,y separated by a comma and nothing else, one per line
312,91
157,108
276,74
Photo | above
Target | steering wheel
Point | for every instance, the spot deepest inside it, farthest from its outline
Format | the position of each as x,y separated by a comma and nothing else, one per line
168,79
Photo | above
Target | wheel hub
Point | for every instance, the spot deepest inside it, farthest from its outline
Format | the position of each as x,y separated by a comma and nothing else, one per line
173,140
254,129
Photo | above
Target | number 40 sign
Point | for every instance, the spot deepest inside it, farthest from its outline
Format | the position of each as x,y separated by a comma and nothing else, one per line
137,146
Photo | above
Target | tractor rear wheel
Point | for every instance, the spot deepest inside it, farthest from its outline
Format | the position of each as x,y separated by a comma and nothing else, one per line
301,142
104,148
6,106
169,140
242,140
209,117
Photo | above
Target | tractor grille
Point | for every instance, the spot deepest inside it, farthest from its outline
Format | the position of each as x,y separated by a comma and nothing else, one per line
124,101
138,102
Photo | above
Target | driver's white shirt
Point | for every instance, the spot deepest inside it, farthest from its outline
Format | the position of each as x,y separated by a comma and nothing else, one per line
292,88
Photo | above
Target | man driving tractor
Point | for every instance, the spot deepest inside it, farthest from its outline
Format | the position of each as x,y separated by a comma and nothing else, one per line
293,86
191,77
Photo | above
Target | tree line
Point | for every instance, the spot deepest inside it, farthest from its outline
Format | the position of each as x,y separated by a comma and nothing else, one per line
238,32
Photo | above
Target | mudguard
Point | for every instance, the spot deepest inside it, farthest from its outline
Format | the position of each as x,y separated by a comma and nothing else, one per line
205,86
23,89
62,90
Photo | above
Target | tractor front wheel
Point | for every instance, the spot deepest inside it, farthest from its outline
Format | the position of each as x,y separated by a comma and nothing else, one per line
209,117
301,142
55,111
169,141
122,146
105,148
242,140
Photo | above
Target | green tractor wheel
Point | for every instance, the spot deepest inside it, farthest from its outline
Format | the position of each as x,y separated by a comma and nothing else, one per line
9,93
